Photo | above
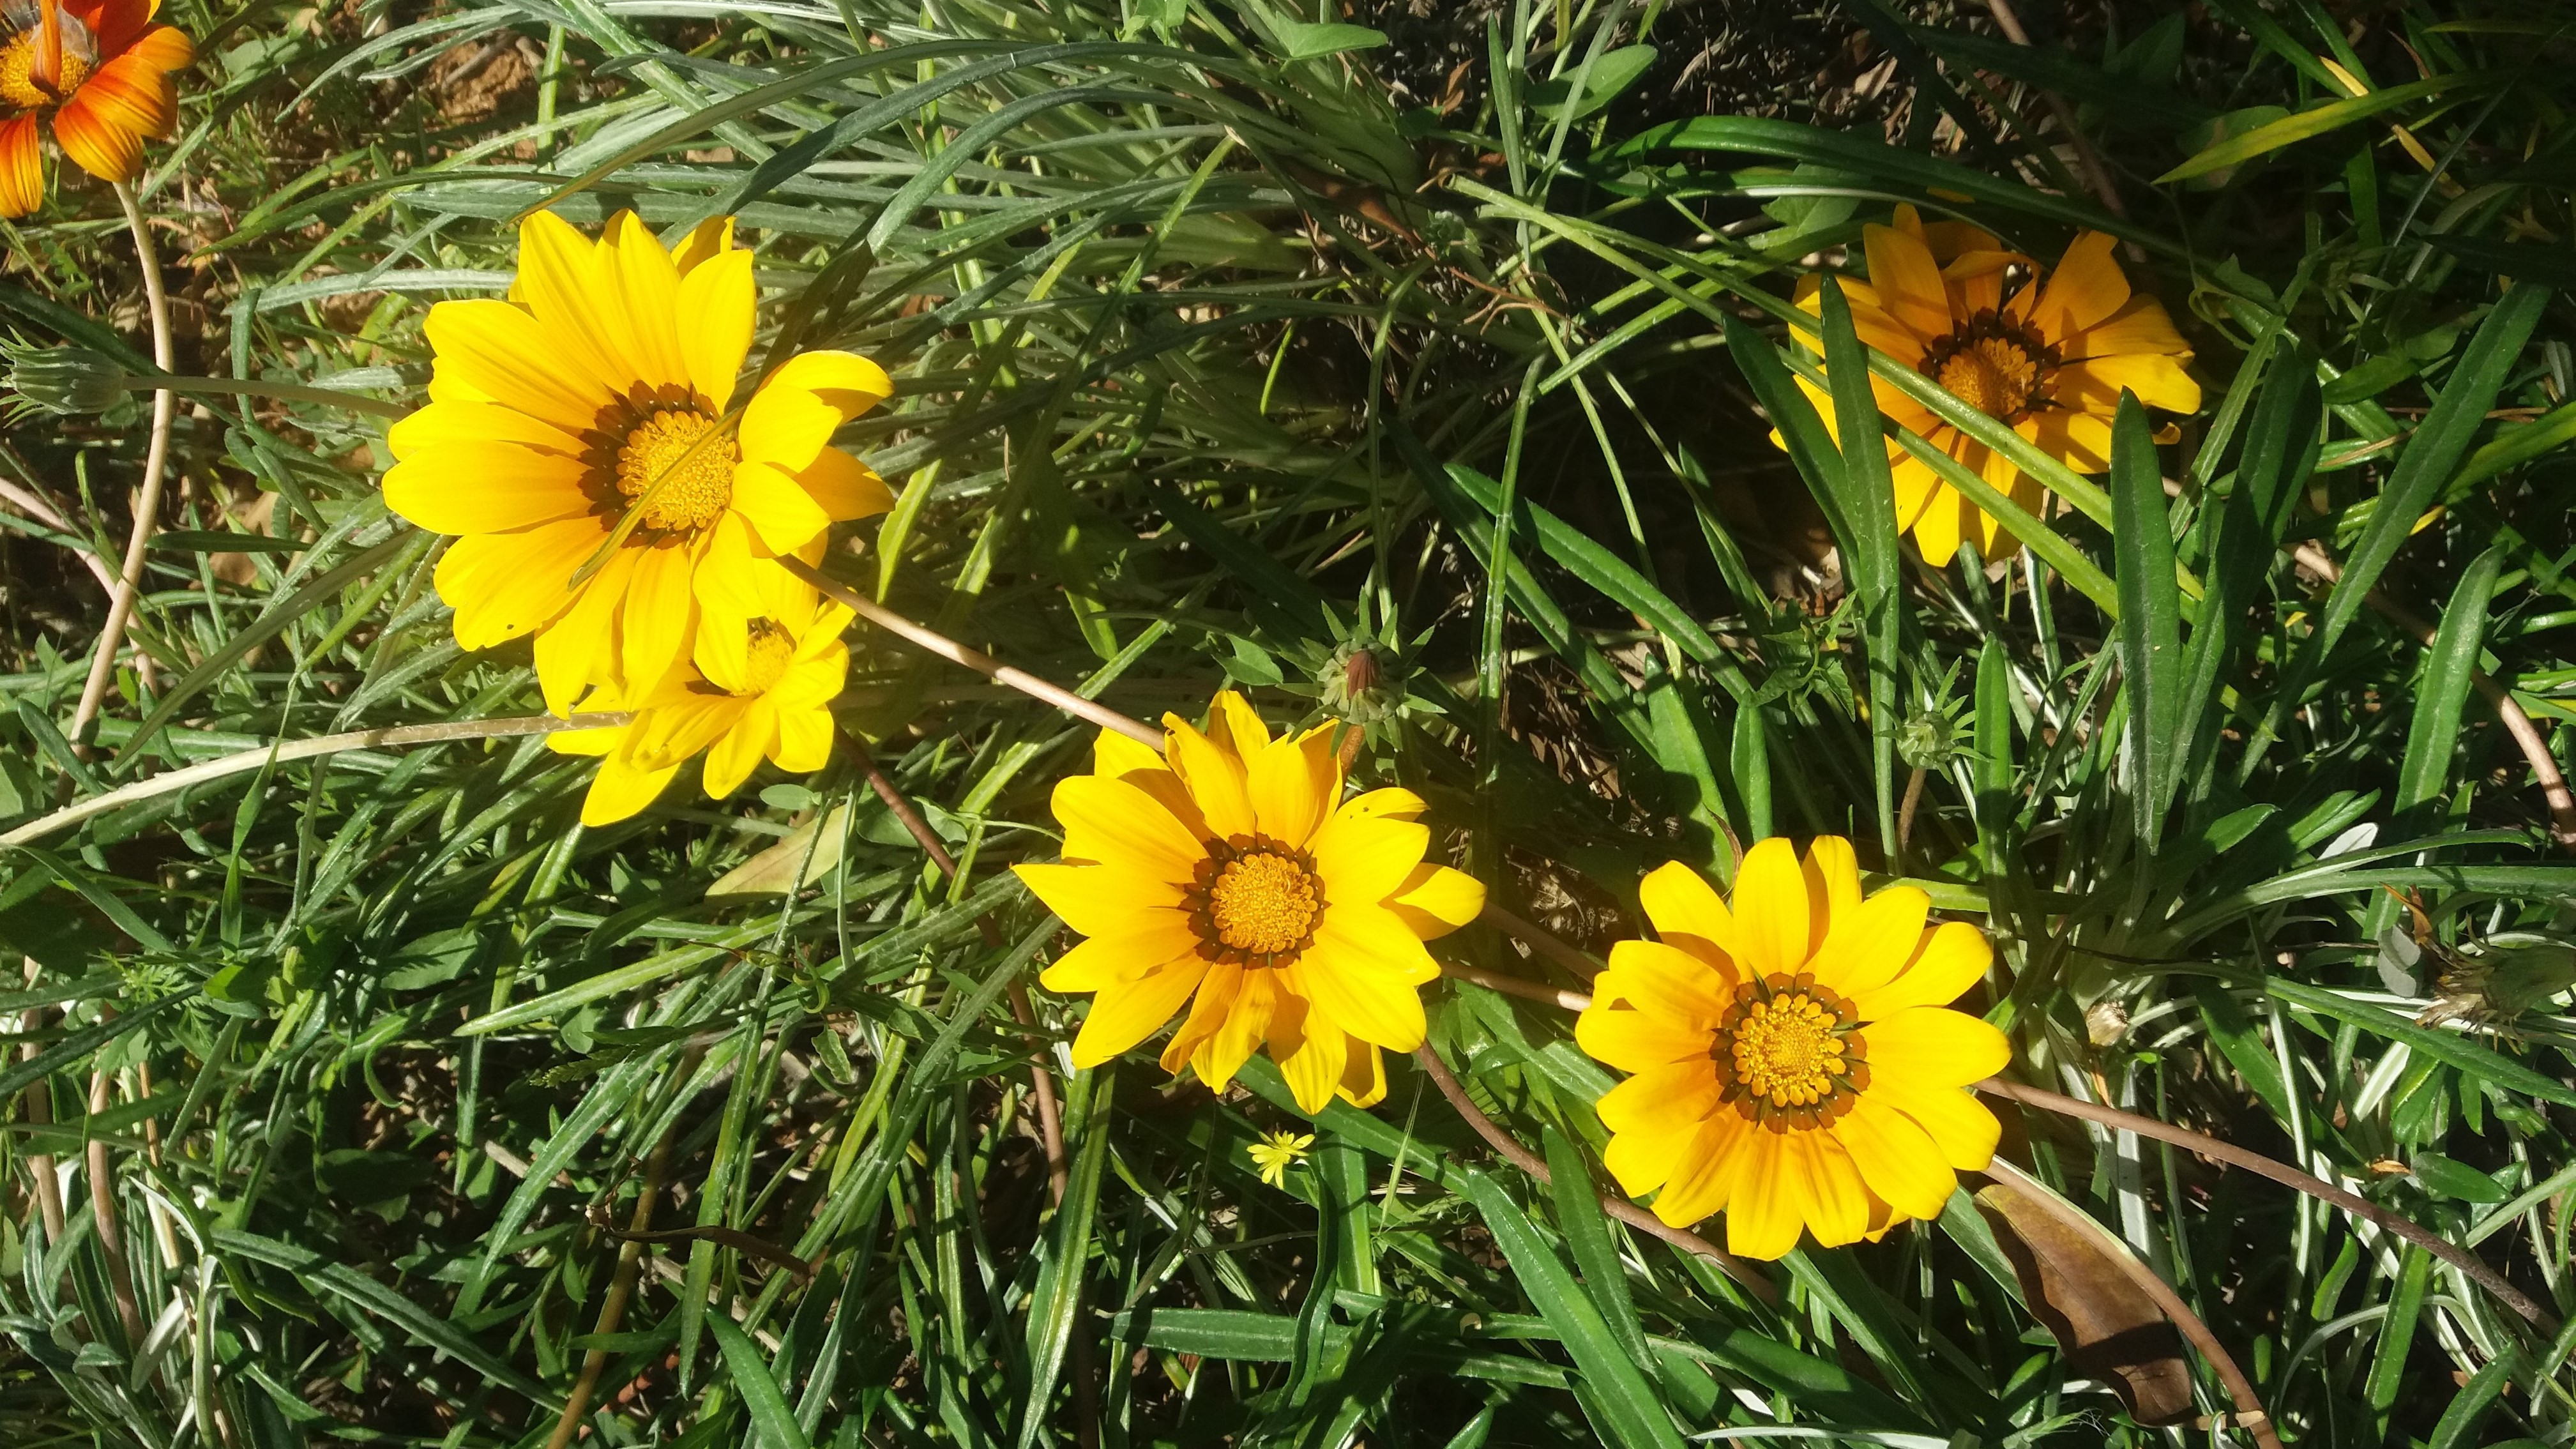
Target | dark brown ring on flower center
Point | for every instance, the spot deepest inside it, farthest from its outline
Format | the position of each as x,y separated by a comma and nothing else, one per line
1255,901
652,445
2004,369
1790,1053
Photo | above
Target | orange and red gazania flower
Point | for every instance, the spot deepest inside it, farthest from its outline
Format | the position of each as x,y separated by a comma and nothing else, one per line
102,70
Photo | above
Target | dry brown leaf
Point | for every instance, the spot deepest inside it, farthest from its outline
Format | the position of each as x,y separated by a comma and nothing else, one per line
2107,1327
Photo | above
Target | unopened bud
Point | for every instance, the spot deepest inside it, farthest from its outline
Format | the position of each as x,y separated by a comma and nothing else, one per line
66,379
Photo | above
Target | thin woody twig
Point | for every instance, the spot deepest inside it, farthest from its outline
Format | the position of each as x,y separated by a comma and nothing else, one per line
1511,1151
2526,735
1086,1392
621,1287
2280,1172
1042,1082
984,664
147,500
102,1207
2249,1405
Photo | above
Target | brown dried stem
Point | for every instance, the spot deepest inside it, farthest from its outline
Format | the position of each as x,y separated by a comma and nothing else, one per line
111,1238
621,1287
2280,1172
147,501
1511,1151
2249,1406
932,641
1086,1391
2526,735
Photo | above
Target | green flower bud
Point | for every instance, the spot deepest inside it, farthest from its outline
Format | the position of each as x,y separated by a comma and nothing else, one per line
65,379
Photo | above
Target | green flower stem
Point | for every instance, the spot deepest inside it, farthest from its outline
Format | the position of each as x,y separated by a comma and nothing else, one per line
253,387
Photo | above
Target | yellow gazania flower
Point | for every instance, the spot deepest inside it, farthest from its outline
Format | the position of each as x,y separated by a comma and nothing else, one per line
1229,869
772,698
606,384
1792,1061
1276,1152
2047,356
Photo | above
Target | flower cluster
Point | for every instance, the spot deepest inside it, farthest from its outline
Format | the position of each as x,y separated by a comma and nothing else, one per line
613,496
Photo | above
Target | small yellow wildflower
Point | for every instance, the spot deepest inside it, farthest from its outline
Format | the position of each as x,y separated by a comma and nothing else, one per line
1276,1152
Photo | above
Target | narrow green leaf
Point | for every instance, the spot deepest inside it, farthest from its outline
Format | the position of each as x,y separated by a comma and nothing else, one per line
1055,1306
2051,546
2397,1331
2318,120
2150,618
2450,665
1587,1237
773,1424
1869,503
2468,1408
1637,1416
2433,453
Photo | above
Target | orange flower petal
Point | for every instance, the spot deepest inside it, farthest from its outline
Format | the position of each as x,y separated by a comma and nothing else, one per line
22,167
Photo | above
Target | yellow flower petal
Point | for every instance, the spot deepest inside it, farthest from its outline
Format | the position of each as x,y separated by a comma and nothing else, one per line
1115,754
844,487
1666,1102
1246,1026
485,487
1931,1046
1949,959
1214,778
1687,912
2140,326
1637,1041
782,514
1313,1068
706,241
1363,1081
1837,1205
732,758
1128,1012
642,288
1833,884
559,282
1768,1208
1908,284
1367,861
579,649
1096,900
804,739
1358,975
1143,941
505,585
1114,822
715,313
1664,979
1236,726
1944,522
1294,785
1897,1159
1871,943
1772,915
2160,382
476,422
620,789
653,625
1708,1172
1435,900
503,352
2086,287
1959,1124
804,402
1208,1011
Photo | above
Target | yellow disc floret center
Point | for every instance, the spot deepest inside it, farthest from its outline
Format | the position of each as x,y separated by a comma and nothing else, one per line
2001,368
684,485
765,659
1257,902
1787,1053
20,90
